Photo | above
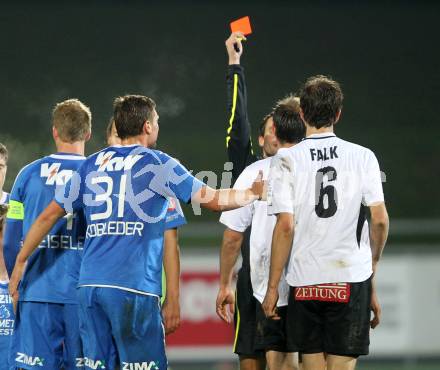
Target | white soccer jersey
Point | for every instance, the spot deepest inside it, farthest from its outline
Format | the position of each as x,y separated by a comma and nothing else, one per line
4,197
323,181
255,214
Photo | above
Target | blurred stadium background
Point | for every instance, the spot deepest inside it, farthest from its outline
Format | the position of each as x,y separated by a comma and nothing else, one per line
382,52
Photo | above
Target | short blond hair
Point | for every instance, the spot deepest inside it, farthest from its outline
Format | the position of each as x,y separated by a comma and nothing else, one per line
73,120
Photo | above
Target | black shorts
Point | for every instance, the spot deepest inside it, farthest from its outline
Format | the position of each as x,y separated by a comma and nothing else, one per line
244,317
332,327
271,334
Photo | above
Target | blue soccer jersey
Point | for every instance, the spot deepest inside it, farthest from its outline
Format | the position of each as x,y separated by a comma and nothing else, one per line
52,271
6,324
124,192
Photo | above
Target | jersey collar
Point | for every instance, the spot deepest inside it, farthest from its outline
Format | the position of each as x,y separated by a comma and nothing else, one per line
61,155
324,135
124,146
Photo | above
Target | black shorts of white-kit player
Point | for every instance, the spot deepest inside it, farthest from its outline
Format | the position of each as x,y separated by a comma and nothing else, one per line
330,318
271,334
244,317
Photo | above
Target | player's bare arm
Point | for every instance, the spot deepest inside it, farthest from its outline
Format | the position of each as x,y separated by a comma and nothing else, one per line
235,39
171,263
229,253
227,199
281,246
43,224
379,226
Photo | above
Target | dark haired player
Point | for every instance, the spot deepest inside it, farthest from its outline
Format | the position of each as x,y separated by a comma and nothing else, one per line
270,336
171,254
123,191
317,190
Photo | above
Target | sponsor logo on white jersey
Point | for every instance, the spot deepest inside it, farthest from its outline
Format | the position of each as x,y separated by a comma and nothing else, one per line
140,365
53,174
29,360
108,163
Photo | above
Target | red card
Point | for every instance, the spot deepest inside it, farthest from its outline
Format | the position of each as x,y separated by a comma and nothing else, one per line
242,25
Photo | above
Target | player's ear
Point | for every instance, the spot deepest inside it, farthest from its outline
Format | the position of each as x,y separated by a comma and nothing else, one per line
87,138
147,129
260,141
338,116
301,114
55,133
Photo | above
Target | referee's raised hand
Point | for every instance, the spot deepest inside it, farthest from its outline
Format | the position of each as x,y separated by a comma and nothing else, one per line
234,47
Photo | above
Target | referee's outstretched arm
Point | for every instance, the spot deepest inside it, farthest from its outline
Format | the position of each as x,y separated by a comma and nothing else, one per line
238,132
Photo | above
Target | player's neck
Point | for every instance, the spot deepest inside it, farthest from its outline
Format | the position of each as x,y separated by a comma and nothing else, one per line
285,145
73,148
135,140
323,130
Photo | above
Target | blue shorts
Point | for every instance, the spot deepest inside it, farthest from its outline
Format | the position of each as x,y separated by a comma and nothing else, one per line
113,318
6,330
46,336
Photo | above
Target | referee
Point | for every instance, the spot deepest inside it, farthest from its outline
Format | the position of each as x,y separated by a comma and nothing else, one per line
240,153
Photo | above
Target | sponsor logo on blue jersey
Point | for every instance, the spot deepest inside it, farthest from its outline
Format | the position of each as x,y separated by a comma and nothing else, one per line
92,364
53,174
152,365
107,163
6,317
29,360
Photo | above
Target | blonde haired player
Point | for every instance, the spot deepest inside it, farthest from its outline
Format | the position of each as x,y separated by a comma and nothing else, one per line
46,334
